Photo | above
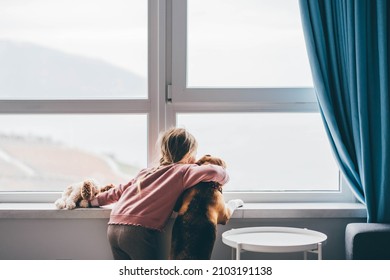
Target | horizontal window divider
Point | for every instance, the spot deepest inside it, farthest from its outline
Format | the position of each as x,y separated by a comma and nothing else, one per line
296,197
118,106
242,107
264,95
29,197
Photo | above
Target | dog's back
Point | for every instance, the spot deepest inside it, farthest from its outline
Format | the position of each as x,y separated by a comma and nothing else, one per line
194,230
200,209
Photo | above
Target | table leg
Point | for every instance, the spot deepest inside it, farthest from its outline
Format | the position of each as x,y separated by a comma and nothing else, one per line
305,255
319,251
238,251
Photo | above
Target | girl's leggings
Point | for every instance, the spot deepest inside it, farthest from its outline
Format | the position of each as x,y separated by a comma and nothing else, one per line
130,242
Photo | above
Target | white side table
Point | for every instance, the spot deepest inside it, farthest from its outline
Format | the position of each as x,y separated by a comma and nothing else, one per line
274,240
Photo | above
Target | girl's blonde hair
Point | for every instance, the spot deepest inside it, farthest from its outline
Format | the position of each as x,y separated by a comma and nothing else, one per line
175,144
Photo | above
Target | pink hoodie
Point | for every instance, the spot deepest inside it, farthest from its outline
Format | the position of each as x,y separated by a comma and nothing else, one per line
152,207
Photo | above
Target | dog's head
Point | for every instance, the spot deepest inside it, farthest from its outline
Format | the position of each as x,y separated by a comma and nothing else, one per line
208,159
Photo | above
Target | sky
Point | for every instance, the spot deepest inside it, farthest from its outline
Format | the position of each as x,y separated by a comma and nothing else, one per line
114,30
272,150
257,44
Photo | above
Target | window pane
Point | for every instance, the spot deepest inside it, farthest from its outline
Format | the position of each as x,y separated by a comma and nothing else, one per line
73,49
48,152
267,151
246,43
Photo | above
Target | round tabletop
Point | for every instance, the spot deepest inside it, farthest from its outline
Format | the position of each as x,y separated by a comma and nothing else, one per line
273,239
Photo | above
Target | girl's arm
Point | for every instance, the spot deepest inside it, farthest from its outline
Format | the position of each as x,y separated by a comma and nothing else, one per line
110,196
204,173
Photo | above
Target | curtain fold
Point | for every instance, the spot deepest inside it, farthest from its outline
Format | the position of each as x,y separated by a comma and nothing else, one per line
348,47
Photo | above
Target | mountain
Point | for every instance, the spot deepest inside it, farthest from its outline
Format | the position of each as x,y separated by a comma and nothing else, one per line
30,163
30,71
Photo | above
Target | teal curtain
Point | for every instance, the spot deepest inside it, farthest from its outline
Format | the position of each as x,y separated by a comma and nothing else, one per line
348,47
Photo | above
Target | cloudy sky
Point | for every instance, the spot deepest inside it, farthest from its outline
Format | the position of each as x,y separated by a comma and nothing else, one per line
114,31
259,43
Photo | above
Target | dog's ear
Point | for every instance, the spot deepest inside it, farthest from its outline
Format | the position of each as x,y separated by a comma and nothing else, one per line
87,190
208,159
203,160
106,188
218,161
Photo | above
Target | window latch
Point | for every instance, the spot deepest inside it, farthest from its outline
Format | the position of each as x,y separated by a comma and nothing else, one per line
169,94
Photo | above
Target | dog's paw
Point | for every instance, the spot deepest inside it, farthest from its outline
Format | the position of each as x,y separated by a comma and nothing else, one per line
70,205
235,203
60,203
239,202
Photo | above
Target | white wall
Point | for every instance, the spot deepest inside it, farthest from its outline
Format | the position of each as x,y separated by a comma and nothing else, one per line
86,238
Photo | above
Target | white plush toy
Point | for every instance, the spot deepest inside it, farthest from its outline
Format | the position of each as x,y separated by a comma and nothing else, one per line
79,195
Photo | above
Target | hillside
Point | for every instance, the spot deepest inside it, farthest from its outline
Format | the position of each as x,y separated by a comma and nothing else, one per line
31,71
28,163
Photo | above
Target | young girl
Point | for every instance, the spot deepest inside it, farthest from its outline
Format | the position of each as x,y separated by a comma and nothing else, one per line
145,204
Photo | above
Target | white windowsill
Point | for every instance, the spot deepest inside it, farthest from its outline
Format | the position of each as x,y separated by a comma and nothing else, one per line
249,211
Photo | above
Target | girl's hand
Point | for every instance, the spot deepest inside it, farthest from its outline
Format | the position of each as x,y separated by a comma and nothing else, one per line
94,202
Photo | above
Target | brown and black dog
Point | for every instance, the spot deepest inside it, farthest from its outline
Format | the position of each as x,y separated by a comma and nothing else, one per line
200,209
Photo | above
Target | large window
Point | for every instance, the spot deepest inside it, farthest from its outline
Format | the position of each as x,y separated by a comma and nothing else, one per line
86,87
241,82
75,101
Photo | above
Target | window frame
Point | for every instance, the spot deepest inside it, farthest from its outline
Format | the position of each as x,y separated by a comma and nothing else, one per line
183,99
152,106
180,93
168,96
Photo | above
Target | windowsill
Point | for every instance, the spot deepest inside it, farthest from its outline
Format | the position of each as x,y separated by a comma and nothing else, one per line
248,211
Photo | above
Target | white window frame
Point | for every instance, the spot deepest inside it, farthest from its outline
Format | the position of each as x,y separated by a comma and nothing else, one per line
168,96
183,99
182,94
153,106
